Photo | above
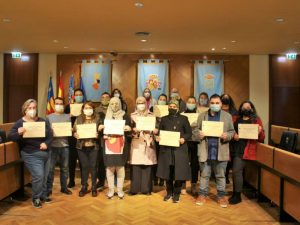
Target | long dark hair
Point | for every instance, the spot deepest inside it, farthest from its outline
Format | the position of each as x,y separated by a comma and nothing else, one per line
232,108
254,114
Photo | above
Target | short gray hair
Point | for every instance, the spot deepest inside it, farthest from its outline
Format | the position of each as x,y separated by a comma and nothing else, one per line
26,104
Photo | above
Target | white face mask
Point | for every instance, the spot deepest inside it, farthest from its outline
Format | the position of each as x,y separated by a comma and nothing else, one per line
117,95
59,108
146,94
141,107
31,113
88,112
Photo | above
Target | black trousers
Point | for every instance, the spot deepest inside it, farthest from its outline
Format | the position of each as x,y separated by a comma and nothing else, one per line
173,186
73,156
88,159
101,172
141,179
194,161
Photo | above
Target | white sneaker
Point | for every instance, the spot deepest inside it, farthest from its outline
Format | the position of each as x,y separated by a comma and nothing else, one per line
110,193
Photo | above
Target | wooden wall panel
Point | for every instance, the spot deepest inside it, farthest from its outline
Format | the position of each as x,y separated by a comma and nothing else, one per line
12,152
124,73
270,186
291,199
2,154
10,180
265,154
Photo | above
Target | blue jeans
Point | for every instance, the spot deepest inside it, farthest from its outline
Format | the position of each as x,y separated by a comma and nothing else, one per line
60,155
219,169
38,165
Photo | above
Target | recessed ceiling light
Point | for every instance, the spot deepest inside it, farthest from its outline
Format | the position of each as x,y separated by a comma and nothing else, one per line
224,48
92,49
143,40
142,34
296,42
6,20
279,20
65,47
204,57
152,56
55,41
101,56
213,49
233,41
139,5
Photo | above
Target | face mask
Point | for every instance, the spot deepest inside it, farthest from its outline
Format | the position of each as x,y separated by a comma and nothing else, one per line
247,112
202,101
79,98
174,95
161,102
146,94
31,113
172,112
215,107
190,107
226,101
117,95
104,102
88,112
141,107
59,108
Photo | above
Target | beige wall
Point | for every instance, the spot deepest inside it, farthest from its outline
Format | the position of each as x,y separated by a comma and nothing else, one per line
1,87
259,87
47,66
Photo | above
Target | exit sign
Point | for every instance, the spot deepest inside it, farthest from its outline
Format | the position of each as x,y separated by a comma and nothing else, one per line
16,55
291,56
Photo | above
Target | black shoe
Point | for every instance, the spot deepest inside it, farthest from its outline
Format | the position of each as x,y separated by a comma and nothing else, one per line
235,198
71,184
147,193
46,200
37,203
176,198
94,193
167,197
100,185
66,191
131,193
82,192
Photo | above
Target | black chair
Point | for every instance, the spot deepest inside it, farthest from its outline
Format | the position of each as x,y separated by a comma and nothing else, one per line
288,141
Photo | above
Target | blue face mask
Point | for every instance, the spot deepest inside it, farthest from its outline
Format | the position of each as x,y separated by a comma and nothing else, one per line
79,99
174,95
161,102
190,107
215,107
202,101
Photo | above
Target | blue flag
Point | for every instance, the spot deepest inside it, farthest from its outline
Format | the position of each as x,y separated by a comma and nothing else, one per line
50,99
71,89
83,90
208,77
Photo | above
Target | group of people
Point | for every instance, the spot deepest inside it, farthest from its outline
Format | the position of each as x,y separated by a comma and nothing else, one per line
105,156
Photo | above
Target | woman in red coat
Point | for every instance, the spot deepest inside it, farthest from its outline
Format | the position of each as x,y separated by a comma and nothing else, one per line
244,149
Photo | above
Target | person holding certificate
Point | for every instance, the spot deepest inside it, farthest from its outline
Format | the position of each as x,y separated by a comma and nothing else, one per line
213,150
142,155
59,149
244,149
85,131
173,162
115,143
34,150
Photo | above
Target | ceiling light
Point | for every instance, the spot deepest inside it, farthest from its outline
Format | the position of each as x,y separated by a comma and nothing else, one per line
143,40
233,41
101,56
279,20
213,49
65,47
224,48
6,20
139,5
55,41
281,59
142,34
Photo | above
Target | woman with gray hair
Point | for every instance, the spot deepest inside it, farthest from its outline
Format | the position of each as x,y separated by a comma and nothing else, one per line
115,148
34,151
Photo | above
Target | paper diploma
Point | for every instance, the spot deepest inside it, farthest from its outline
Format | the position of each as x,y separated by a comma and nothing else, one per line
161,110
34,129
87,130
145,123
248,131
114,127
212,128
192,117
75,109
169,138
63,129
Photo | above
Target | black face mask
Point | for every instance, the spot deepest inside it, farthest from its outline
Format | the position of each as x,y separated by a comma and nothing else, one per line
225,101
172,112
247,112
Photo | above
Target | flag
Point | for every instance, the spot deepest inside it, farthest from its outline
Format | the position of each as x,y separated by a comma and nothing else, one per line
71,89
60,92
50,99
82,88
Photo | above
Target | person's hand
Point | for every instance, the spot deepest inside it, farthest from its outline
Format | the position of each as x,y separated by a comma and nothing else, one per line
259,129
21,130
101,127
157,138
135,130
127,128
76,135
236,137
155,131
181,141
224,136
106,137
43,146
201,134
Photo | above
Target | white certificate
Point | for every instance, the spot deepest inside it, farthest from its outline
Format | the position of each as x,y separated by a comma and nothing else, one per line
34,129
248,131
192,117
63,129
145,123
75,109
212,128
161,110
88,130
114,127
169,138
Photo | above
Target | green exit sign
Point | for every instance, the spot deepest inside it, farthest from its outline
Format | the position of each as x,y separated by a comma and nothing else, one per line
16,55
291,56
